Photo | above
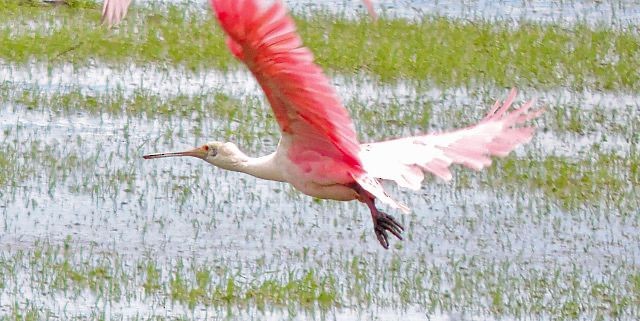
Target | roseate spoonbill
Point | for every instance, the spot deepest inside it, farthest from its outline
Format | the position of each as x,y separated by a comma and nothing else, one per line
318,152
113,11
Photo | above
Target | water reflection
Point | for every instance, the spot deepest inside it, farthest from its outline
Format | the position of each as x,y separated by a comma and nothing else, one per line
607,12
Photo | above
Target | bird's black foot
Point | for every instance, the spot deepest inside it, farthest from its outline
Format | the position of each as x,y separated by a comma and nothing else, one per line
383,223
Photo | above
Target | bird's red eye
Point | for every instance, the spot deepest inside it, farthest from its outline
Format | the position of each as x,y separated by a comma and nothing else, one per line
206,147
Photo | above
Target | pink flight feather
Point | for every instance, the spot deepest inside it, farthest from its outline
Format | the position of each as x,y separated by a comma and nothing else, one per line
305,104
404,160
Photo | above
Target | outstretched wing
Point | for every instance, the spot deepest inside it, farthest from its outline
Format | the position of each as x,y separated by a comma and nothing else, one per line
404,160
113,11
305,104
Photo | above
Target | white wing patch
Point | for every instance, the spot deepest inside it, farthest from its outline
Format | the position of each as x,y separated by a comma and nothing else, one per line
373,186
405,160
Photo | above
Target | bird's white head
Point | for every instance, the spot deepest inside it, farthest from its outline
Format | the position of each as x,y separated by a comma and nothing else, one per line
220,154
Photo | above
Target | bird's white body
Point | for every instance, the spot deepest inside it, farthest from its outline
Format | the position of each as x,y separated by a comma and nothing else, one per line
277,166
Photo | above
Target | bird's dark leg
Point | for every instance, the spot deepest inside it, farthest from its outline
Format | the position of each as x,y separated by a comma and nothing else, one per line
382,222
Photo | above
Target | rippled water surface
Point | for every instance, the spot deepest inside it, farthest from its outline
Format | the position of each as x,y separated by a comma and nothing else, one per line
625,12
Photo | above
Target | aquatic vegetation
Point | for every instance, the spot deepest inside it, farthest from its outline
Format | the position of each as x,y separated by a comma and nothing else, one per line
92,231
439,50
577,183
107,279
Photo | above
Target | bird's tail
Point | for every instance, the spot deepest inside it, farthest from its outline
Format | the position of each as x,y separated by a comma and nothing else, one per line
373,186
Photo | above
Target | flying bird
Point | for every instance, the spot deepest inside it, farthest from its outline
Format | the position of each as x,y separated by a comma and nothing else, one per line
113,11
318,152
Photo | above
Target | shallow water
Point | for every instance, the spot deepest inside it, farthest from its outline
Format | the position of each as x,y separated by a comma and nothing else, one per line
607,12
91,230
596,12
451,106
87,186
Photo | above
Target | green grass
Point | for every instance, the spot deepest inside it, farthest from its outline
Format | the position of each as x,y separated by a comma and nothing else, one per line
202,107
481,288
395,118
12,172
439,50
141,102
576,184
15,4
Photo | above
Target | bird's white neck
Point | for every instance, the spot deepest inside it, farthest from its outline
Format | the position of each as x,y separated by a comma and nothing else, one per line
264,167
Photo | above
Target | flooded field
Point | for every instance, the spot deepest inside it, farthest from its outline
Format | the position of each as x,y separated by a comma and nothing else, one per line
90,230
596,12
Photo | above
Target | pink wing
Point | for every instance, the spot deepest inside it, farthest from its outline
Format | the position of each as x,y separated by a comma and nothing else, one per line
404,160
113,11
304,103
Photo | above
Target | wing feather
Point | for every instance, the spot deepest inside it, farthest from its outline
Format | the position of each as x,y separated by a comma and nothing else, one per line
404,160
265,39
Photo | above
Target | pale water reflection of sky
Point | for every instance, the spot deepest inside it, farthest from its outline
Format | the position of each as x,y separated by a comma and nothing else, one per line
607,12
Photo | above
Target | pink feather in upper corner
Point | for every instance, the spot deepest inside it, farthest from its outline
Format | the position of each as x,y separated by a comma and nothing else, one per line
113,11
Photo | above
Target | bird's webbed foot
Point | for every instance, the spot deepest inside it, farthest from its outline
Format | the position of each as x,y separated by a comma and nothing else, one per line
383,224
